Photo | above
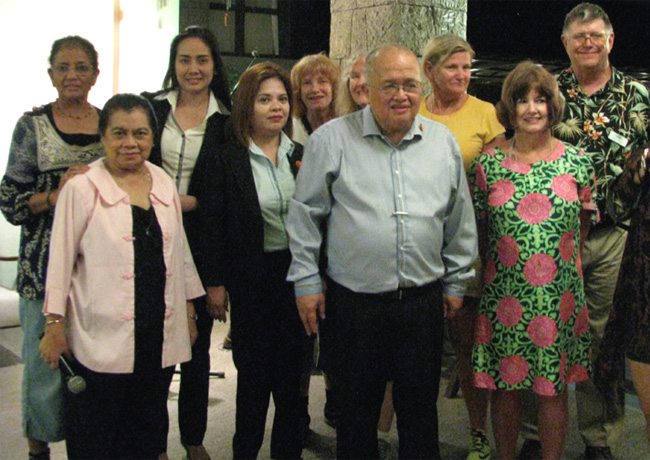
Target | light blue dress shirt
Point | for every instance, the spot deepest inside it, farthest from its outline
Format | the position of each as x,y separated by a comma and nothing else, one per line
396,216
275,186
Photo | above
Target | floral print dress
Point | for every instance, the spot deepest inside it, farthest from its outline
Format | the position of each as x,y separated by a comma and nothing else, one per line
532,327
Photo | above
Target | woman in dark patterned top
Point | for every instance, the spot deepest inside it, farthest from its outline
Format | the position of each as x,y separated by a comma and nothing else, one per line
628,328
49,146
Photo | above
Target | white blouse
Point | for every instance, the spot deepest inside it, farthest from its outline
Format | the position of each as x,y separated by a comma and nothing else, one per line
180,149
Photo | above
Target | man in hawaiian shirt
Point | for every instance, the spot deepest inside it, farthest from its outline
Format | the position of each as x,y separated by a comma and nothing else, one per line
606,115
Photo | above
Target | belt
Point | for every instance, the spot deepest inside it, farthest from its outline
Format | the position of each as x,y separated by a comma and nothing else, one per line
404,293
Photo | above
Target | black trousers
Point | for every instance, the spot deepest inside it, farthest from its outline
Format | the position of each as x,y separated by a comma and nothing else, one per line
117,416
267,340
381,338
194,388
195,382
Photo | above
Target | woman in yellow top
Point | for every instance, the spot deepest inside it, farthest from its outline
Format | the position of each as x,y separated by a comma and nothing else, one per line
447,63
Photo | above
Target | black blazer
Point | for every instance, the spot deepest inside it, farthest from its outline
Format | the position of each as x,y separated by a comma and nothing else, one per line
194,222
235,235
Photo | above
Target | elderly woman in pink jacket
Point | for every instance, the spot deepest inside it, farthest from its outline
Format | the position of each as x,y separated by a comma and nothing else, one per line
118,291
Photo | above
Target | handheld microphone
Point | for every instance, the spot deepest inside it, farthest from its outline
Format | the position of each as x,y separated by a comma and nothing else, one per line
76,383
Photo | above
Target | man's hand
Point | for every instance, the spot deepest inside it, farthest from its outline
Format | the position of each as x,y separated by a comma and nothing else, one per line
217,302
451,305
310,307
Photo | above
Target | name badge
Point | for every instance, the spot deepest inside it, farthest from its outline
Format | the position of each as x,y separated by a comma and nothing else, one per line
616,137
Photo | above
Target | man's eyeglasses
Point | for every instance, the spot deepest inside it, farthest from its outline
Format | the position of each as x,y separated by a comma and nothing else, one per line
597,38
391,89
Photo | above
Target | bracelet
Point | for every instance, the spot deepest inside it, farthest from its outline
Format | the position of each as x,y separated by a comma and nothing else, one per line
47,200
194,316
53,321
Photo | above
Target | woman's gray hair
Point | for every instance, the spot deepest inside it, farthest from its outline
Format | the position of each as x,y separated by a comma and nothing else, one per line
344,102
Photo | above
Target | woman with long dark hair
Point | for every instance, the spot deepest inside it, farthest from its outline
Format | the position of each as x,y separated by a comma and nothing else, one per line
192,110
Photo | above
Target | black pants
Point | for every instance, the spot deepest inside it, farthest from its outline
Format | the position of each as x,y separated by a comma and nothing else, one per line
267,341
195,382
117,416
194,388
381,338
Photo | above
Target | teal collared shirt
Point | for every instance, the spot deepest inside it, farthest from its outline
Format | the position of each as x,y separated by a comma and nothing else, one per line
275,187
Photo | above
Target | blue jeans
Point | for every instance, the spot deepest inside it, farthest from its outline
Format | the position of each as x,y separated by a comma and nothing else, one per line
42,396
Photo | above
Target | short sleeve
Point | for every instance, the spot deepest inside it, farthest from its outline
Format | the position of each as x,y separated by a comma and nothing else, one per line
493,127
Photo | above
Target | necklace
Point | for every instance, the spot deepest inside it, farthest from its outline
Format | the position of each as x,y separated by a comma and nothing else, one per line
429,103
75,117
152,217
512,151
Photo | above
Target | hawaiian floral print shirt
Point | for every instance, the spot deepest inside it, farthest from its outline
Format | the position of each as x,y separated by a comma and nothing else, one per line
607,125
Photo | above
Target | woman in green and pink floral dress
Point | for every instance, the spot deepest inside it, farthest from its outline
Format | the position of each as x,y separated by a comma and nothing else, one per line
531,200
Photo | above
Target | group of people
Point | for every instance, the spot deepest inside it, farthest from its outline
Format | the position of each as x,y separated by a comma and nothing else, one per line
349,206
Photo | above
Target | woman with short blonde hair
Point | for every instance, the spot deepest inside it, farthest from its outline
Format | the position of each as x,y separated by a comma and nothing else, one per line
447,63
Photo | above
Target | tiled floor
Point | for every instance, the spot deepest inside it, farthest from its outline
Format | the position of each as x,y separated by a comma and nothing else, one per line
322,444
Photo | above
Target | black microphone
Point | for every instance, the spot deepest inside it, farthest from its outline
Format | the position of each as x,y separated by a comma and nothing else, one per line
76,383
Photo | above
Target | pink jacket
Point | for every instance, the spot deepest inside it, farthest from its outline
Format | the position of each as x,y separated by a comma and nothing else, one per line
90,271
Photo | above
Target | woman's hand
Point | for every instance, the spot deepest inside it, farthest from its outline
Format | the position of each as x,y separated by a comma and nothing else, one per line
54,344
188,203
217,302
45,201
69,174
191,323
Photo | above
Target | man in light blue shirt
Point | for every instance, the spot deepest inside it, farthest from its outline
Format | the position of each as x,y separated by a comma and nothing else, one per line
389,188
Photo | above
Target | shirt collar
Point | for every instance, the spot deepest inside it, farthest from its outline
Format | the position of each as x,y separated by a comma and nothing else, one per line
111,193
285,149
214,106
371,128
615,78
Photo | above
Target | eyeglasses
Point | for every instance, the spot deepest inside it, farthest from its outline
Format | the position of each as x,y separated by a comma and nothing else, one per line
391,89
596,37
78,68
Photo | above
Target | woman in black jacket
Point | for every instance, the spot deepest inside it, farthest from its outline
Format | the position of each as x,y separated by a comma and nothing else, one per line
252,181
192,111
